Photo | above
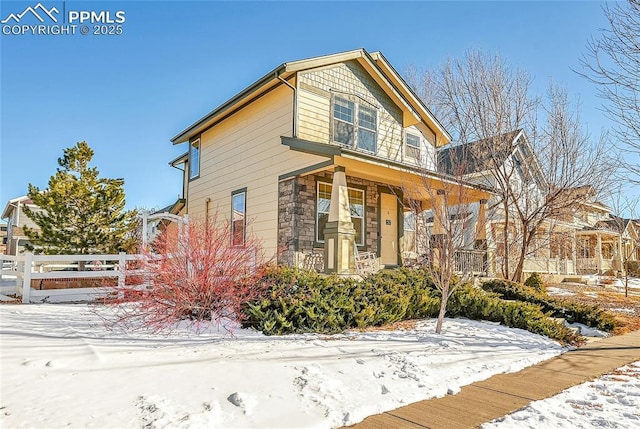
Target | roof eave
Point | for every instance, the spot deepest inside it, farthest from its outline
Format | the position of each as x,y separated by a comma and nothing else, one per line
382,62
10,203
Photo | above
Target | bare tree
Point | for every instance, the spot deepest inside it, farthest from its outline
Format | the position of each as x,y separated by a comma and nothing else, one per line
612,62
624,206
488,107
443,212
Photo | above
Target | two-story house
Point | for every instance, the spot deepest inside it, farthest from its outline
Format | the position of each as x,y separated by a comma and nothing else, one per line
317,155
3,238
582,238
16,221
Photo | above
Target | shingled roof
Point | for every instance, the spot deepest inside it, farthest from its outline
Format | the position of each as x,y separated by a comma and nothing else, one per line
474,156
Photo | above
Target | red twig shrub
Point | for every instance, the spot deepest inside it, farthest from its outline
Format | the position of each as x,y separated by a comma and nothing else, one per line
196,276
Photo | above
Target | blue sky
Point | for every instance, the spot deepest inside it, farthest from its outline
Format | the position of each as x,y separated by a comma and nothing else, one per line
128,94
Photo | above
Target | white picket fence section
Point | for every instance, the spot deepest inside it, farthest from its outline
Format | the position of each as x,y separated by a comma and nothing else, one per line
17,273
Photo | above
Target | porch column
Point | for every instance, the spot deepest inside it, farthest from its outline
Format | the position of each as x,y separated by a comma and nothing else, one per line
481,226
339,234
481,235
574,253
599,252
438,236
619,259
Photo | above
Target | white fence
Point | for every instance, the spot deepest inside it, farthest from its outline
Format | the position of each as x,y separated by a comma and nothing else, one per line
18,273
549,266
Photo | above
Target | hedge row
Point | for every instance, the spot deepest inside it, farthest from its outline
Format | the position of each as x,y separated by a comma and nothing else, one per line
300,301
572,312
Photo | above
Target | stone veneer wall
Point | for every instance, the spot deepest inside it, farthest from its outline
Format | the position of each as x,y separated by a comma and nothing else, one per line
297,211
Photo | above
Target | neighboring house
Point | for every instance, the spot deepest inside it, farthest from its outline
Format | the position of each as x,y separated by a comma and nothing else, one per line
16,221
159,222
606,241
317,149
3,238
512,155
584,239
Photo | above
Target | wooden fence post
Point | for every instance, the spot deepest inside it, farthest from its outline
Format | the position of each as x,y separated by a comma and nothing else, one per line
26,278
122,268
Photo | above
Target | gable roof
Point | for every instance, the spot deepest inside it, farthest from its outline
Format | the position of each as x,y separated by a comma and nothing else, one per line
473,157
12,203
617,224
414,110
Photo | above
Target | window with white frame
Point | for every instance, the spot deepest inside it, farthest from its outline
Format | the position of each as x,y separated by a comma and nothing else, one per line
343,121
356,207
238,217
194,158
355,125
409,227
412,146
367,127
584,248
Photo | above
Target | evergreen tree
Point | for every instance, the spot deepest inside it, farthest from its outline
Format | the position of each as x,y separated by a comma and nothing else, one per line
80,213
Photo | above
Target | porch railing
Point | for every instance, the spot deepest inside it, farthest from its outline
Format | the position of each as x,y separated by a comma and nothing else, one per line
549,266
592,264
473,262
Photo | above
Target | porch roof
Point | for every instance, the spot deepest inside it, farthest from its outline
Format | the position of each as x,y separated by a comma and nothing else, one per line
594,231
417,183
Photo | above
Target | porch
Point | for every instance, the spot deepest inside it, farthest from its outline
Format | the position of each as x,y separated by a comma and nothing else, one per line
377,202
599,251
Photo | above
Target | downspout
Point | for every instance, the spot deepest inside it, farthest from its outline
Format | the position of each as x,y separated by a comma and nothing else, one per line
295,104
184,186
296,236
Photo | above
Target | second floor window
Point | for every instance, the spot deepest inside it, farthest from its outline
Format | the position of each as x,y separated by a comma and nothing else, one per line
355,125
412,146
194,159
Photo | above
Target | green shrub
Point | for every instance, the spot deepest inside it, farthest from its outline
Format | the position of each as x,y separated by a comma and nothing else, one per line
572,312
477,304
633,268
298,301
535,281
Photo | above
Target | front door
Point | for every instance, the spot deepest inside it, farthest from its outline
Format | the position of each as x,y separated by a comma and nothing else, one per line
388,229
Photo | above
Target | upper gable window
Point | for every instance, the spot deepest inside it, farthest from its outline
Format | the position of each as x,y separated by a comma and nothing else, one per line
412,146
367,127
194,159
517,163
354,125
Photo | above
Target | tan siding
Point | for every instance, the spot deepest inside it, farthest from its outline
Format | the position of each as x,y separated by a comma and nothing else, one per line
351,81
245,151
313,112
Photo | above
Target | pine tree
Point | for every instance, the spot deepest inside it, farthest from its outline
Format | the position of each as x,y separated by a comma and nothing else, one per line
80,213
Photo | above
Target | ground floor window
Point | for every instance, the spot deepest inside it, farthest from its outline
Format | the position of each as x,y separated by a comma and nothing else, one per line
356,206
584,248
238,217
409,227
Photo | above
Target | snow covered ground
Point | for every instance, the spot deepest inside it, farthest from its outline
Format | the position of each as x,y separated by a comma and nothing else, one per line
62,367
612,401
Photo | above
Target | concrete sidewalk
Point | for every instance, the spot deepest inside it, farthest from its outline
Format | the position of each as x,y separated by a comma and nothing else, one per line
502,394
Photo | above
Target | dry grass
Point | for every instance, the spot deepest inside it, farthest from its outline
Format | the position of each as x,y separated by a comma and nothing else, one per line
625,309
